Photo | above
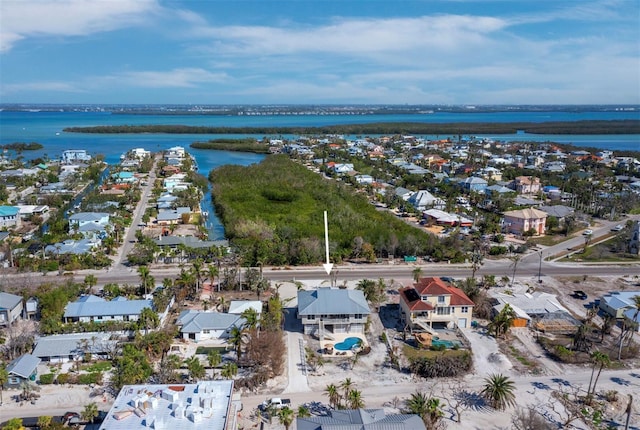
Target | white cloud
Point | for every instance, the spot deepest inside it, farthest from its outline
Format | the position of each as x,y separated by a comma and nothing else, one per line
176,78
41,86
353,36
22,19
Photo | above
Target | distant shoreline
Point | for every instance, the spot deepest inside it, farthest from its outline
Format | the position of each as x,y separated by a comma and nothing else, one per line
587,127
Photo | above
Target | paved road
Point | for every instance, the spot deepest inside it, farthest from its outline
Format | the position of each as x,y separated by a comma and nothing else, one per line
130,234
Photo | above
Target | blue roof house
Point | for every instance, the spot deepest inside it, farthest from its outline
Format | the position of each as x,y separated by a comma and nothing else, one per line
22,369
330,310
89,224
92,308
11,308
616,303
474,183
9,216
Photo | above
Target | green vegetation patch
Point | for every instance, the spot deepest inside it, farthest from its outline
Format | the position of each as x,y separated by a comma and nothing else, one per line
99,366
205,350
242,145
273,211
553,127
22,146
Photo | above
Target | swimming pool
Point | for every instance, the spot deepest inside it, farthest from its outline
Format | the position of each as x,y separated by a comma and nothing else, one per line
447,343
347,344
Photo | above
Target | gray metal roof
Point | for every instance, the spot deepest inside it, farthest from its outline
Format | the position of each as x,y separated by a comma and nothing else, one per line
332,301
23,366
92,306
64,345
9,301
361,419
189,242
172,214
196,321
88,216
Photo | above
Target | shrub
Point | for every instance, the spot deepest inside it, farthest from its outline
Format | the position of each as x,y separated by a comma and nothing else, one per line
442,365
497,250
90,378
47,378
62,378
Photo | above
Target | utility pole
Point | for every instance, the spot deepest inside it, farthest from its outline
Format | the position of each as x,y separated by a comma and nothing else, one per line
540,269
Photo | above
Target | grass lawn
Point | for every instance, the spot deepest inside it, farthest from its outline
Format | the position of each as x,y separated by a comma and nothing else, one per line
205,350
548,240
98,366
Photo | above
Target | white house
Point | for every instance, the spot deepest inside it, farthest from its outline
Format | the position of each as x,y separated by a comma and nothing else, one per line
73,155
92,308
9,216
332,310
199,325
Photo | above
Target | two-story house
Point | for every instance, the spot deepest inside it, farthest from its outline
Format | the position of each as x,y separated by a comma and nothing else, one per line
332,310
523,220
11,308
526,185
9,216
431,302
73,155
90,224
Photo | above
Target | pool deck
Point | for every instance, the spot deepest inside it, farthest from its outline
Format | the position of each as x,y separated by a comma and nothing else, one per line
327,344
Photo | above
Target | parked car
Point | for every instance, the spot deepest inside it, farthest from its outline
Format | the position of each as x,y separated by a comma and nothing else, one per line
587,232
617,228
579,294
277,402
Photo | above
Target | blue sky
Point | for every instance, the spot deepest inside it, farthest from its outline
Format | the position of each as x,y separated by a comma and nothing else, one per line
320,52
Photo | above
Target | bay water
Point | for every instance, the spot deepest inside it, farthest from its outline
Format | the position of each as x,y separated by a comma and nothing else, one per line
46,129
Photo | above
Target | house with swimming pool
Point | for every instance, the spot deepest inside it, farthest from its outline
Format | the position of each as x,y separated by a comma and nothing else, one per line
327,311
433,303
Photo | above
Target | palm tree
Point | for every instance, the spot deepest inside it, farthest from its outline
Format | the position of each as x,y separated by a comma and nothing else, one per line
303,412
211,273
89,282
499,391
418,404
333,393
235,339
148,319
229,370
146,280
599,360
90,412
251,318
417,273
196,369
502,322
214,358
196,269
346,386
286,416
354,398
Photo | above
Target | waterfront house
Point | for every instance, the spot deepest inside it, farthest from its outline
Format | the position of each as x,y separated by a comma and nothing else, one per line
73,155
172,216
22,369
332,310
11,308
70,246
431,302
91,308
92,225
523,220
207,325
9,216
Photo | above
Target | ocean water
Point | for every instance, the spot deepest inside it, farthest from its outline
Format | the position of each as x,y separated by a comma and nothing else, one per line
46,128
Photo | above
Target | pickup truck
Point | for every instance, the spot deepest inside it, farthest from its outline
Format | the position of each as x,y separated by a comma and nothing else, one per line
276,402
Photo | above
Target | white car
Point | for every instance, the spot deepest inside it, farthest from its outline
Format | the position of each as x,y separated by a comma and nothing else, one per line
587,232
617,228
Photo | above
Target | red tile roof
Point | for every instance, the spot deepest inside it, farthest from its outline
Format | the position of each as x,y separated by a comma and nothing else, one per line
437,287
414,305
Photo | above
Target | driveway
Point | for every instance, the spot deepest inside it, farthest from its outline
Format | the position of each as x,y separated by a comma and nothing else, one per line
487,358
